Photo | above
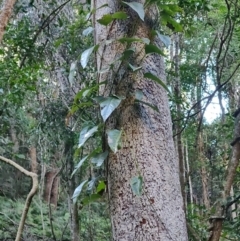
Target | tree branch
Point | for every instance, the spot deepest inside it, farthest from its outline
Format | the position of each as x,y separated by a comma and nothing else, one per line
30,195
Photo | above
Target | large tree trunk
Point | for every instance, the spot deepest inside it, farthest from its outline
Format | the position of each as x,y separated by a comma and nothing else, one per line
147,143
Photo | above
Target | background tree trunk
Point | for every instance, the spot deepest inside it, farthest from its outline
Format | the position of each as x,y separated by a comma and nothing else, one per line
5,15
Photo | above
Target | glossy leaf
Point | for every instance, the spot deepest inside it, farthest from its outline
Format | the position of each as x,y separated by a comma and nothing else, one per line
86,55
79,165
165,39
99,158
114,139
87,31
136,185
91,184
108,105
150,48
137,7
156,79
78,191
85,133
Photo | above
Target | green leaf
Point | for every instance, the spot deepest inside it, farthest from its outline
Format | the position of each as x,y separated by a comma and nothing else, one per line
171,22
91,198
127,53
156,79
101,186
150,48
105,20
165,39
136,185
79,164
108,105
72,72
21,156
134,68
129,40
114,139
87,31
78,191
119,15
137,7
86,92
99,158
85,134
86,55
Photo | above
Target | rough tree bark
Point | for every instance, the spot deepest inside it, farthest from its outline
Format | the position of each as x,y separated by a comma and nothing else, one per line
147,143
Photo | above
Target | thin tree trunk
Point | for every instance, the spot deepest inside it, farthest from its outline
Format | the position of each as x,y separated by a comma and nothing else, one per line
147,143
15,151
51,187
234,206
177,92
189,175
200,148
204,177
73,208
33,157
5,15
231,171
